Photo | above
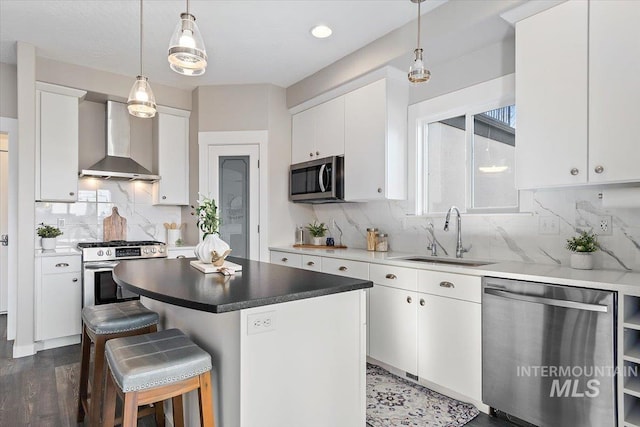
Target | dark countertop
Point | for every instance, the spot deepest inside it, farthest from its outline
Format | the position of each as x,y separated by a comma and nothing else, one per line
174,281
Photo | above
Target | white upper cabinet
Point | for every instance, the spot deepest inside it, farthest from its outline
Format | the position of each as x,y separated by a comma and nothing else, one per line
171,142
57,142
551,97
614,90
375,147
577,68
318,132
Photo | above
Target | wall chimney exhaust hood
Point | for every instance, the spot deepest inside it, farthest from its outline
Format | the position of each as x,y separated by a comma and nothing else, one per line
118,163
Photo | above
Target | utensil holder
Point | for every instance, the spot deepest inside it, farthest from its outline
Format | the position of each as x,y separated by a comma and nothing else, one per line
173,235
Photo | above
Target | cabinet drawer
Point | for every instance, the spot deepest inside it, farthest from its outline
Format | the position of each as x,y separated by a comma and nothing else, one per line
60,264
285,258
180,253
450,285
396,277
311,262
355,269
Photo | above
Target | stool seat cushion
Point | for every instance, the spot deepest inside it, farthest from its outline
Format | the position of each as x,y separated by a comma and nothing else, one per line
150,360
118,317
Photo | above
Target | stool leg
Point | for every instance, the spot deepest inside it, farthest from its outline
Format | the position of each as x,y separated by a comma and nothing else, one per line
97,385
130,416
159,407
206,401
84,372
109,409
178,412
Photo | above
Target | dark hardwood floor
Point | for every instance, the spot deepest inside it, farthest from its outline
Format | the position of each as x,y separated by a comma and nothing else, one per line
42,390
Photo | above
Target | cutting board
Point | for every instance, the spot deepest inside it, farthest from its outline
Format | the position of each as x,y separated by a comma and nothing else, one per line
114,227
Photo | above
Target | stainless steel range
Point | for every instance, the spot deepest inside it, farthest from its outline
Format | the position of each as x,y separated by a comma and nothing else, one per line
100,258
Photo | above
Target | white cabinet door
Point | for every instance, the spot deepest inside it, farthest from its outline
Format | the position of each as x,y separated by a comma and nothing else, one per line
172,136
57,140
303,143
551,94
450,344
329,128
180,252
312,262
285,258
393,327
365,140
60,304
614,89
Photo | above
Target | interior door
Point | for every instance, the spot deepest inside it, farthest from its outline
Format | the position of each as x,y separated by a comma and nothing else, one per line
4,220
234,184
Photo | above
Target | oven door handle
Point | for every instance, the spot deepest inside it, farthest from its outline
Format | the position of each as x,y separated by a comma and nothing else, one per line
101,266
546,301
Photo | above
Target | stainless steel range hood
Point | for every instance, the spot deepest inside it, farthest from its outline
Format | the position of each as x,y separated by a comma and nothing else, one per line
118,163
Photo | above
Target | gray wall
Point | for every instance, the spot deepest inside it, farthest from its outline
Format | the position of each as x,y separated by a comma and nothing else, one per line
8,91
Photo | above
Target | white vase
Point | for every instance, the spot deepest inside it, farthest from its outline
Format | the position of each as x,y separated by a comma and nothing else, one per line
582,260
212,250
316,241
49,243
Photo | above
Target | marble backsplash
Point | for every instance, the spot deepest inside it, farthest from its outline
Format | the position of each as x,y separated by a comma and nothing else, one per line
96,198
514,237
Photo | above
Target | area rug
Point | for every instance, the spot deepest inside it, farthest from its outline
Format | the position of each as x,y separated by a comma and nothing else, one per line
393,401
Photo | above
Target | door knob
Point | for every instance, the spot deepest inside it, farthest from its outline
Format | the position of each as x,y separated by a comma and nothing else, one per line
422,302
409,300
575,171
4,240
599,169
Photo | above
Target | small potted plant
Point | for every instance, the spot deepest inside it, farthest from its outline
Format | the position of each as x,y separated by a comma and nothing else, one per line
582,248
48,234
212,249
317,232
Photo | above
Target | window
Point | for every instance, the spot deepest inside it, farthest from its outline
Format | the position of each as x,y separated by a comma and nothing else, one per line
464,150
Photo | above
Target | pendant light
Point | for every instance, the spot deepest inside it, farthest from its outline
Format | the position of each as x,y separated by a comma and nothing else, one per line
141,102
417,72
187,55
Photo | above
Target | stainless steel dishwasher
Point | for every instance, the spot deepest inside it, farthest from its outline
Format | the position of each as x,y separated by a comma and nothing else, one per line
549,352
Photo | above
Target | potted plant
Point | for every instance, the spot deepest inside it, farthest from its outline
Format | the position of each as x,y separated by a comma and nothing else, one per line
48,234
212,249
317,232
582,248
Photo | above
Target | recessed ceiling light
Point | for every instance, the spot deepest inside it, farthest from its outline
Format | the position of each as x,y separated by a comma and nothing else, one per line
321,31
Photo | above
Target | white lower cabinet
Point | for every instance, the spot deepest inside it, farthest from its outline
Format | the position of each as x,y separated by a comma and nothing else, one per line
285,258
311,262
58,297
450,344
393,327
180,252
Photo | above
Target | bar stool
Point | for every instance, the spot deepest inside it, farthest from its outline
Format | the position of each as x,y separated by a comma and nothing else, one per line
100,324
150,368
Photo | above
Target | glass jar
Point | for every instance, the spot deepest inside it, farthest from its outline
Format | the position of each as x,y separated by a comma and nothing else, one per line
371,238
382,242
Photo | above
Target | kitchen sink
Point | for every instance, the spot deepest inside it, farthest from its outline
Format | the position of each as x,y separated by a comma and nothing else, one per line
449,261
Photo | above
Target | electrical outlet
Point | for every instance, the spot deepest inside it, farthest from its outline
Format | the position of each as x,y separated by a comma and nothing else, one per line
261,322
60,222
548,225
605,225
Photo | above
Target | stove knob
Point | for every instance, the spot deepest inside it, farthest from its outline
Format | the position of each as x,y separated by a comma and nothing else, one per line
153,250
100,253
146,250
108,252
161,250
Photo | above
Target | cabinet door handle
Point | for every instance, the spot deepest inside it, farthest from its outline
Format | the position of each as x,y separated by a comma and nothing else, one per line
317,153
343,268
284,259
409,300
390,276
379,190
310,263
422,303
574,171
71,193
310,154
74,280
164,197
62,264
599,169
447,285
180,256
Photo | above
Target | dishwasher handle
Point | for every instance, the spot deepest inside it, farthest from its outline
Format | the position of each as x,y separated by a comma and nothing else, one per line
546,301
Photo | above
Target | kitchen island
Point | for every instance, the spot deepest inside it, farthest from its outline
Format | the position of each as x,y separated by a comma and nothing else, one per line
288,345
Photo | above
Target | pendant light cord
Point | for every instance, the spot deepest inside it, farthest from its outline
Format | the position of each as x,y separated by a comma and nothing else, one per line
187,6
141,62
419,15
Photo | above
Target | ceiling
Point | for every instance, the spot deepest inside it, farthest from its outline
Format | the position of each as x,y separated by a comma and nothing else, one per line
256,41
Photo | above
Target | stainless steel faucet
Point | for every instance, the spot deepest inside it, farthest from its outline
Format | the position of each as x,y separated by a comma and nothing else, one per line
459,249
432,246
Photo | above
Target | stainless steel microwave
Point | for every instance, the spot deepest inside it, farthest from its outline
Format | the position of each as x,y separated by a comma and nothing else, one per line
317,181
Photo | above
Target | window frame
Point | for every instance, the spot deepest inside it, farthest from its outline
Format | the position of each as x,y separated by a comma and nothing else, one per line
466,102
